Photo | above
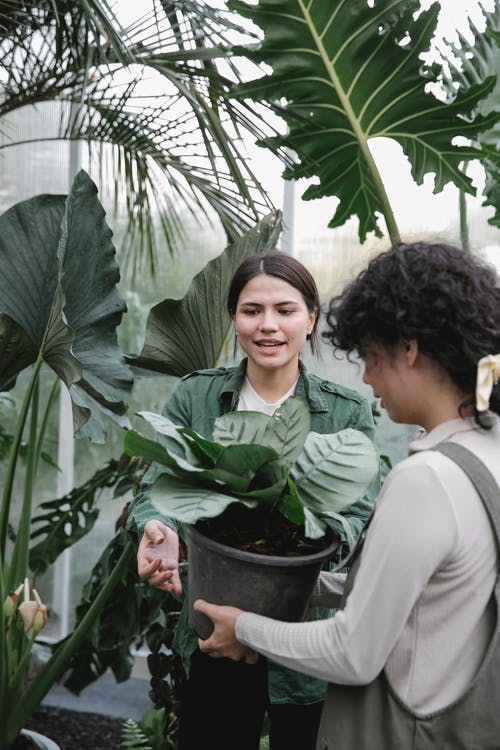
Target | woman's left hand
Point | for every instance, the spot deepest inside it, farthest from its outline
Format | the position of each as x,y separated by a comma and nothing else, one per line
223,642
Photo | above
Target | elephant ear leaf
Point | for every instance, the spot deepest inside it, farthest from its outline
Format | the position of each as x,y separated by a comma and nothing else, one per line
189,334
352,81
17,351
58,285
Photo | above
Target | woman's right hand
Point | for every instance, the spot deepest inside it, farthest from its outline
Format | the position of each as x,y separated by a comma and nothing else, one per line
158,557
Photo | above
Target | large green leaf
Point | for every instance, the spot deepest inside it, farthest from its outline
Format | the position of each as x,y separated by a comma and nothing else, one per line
135,444
17,351
241,463
285,431
331,472
334,471
350,71
177,499
288,428
240,427
189,334
183,440
29,237
58,298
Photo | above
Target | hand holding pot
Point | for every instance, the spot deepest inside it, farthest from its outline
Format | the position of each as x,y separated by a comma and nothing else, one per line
158,557
223,642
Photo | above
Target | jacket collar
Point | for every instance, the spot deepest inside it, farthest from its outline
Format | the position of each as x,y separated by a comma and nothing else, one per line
230,394
308,389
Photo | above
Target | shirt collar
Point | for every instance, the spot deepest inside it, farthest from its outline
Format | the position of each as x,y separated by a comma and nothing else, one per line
307,389
445,431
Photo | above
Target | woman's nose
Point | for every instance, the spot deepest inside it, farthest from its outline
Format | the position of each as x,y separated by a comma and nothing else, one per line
269,322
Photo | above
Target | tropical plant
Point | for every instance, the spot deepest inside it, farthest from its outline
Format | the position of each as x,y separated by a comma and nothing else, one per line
347,72
269,464
172,152
181,335
64,319
58,307
460,71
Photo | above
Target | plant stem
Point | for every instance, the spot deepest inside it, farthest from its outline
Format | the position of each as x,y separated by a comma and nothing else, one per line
13,456
60,660
45,419
464,228
3,654
19,564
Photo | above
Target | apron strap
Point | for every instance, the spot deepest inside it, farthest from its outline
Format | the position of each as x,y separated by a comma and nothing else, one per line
480,476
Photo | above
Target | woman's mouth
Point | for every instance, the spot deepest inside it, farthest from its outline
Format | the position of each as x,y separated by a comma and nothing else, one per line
269,344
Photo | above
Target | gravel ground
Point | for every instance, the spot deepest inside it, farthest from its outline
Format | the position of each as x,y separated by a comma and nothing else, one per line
77,730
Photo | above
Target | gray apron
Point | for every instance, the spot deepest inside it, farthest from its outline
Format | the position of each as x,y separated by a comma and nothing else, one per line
372,717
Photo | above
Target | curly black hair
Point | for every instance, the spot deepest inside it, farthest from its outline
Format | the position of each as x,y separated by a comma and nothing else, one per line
439,295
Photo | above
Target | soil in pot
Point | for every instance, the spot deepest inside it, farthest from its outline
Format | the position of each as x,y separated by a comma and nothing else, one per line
261,533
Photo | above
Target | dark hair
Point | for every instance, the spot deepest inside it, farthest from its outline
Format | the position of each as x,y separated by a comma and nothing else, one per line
435,293
283,267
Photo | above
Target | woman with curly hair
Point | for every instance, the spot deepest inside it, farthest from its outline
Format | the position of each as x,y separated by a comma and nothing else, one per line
413,656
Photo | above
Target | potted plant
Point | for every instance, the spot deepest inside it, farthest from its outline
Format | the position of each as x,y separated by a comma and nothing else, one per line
255,501
63,319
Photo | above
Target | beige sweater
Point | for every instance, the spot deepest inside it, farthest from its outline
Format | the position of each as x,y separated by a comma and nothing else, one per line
420,605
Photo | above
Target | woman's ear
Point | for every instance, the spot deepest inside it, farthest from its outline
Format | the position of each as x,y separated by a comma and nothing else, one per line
411,351
313,316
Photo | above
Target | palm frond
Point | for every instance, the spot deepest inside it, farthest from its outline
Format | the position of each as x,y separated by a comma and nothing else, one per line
155,95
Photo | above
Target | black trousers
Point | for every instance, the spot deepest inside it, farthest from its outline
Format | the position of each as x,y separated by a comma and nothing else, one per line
224,705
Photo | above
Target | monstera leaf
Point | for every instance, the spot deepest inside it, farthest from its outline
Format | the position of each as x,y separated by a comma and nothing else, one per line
188,334
58,299
463,71
350,71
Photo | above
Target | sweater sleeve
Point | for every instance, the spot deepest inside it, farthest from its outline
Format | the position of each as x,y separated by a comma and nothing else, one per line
413,531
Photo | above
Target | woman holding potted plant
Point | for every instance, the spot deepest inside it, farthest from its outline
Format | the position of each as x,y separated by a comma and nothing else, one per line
413,657
274,303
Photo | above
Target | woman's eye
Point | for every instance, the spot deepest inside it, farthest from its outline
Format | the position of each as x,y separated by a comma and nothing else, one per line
286,312
250,312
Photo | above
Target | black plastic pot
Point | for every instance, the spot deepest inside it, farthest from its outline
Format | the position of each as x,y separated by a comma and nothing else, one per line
278,587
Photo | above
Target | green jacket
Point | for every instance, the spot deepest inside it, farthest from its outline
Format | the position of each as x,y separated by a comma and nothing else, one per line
198,400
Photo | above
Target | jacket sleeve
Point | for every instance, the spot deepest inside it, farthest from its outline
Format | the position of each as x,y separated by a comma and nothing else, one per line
142,509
